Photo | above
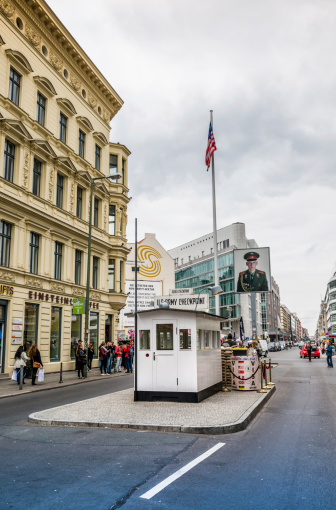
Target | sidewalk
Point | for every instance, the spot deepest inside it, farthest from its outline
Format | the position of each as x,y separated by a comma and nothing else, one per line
9,388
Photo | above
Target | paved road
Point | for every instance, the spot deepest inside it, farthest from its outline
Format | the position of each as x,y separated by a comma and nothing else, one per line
282,461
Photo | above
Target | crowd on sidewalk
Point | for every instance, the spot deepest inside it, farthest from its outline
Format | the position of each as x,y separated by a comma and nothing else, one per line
112,358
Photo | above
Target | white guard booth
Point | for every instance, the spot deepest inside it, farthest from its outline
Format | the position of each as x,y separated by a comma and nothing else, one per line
179,355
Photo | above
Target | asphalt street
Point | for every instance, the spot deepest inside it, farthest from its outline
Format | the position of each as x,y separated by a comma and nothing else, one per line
283,460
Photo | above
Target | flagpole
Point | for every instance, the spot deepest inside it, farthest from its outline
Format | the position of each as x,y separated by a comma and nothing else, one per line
216,282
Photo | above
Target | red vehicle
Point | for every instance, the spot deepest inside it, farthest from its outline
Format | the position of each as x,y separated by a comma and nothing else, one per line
315,352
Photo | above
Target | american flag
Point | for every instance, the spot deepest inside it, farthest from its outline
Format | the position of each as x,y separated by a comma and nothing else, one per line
211,148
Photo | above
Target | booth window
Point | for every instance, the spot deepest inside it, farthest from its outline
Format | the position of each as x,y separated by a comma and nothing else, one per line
199,339
76,333
206,340
55,333
30,324
144,340
185,339
164,337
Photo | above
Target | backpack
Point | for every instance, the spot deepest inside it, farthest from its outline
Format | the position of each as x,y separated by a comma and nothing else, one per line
130,352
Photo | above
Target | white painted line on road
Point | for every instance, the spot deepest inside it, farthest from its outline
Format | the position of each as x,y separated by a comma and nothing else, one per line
152,492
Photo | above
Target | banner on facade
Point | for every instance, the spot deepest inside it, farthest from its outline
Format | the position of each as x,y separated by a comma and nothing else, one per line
252,270
185,302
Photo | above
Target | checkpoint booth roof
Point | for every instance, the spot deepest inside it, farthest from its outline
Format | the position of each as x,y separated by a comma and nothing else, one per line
179,355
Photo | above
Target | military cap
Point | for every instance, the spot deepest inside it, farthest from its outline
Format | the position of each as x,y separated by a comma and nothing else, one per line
251,256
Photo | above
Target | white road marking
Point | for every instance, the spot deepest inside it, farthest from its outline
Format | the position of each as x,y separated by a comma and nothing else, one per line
152,492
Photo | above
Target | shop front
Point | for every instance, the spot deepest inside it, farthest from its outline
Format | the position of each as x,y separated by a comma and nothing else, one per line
3,314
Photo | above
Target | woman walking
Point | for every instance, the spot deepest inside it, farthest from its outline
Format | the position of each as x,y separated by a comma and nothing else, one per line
329,355
81,360
21,359
36,362
103,359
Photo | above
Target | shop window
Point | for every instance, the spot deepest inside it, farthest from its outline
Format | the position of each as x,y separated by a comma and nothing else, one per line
63,128
9,158
95,212
94,331
55,333
5,243
40,109
34,252
185,339
144,339
14,86
78,267
30,324
164,337
37,177
111,275
59,191
95,267
79,204
108,328
76,333
112,218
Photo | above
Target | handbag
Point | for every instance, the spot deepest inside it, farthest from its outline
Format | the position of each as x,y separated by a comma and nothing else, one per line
14,375
36,364
40,376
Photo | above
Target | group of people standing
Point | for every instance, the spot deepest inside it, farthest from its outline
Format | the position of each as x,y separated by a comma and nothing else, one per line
21,359
111,357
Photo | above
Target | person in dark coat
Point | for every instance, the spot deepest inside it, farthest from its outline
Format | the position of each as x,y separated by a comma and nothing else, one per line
35,358
90,355
329,355
81,360
309,349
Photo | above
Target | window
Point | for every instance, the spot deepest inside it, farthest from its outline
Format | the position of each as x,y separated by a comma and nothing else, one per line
123,171
59,191
55,333
113,164
164,337
37,177
78,267
206,340
94,332
9,161
30,324
14,86
81,144
121,267
63,127
40,109
58,261
79,202
112,220
95,212
185,339
108,328
5,242
199,339
76,333
111,271
95,263
144,339
34,252
97,157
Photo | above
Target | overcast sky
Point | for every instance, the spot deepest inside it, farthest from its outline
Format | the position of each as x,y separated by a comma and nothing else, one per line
266,69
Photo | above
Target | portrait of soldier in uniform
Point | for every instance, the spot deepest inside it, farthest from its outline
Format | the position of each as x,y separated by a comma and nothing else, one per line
252,280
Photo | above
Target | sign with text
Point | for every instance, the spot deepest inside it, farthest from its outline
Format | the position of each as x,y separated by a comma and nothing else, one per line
185,302
78,306
147,290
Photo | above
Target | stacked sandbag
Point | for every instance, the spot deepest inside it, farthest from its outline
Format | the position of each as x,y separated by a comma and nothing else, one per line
226,353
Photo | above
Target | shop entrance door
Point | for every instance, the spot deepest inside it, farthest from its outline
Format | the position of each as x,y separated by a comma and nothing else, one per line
2,335
165,356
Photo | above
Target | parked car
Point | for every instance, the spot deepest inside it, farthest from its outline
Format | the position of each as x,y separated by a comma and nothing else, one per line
264,347
315,352
271,347
277,346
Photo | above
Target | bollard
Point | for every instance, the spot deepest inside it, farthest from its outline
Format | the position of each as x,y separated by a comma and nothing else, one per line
21,377
261,380
61,372
265,372
270,383
225,378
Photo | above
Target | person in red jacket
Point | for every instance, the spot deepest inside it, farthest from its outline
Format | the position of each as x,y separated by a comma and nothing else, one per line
118,356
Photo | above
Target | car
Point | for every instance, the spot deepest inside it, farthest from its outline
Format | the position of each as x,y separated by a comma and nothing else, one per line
277,346
315,352
264,348
271,347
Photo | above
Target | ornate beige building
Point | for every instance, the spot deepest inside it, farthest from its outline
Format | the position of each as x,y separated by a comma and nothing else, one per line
55,113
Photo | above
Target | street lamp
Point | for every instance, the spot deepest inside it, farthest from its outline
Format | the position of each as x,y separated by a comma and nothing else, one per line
88,276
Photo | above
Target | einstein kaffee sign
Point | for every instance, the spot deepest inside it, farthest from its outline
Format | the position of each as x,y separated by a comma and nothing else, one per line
184,301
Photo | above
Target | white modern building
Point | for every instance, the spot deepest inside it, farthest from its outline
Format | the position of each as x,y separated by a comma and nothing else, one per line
194,269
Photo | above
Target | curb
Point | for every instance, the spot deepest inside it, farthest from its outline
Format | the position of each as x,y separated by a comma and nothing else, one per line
237,426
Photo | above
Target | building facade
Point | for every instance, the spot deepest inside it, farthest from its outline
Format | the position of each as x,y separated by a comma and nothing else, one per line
55,113
194,269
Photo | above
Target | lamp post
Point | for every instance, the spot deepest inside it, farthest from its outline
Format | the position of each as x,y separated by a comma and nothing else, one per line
88,274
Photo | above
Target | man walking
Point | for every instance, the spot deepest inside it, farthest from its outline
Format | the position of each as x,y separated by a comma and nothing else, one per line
309,349
329,355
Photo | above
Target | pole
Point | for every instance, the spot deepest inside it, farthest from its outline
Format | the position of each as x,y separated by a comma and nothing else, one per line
136,315
254,315
88,276
214,221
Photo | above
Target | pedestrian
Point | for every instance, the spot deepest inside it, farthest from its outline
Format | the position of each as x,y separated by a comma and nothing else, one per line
81,359
329,355
123,353
90,355
118,356
21,359
103,357
130,357
125,357
36,362
109,356
309,349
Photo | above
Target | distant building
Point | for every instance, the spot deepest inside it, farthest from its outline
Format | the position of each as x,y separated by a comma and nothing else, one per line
271,318
194,269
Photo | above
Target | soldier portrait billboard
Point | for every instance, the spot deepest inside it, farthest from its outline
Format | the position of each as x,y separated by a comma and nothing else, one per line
252,270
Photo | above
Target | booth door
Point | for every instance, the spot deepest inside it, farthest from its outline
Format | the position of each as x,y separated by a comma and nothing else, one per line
165,356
